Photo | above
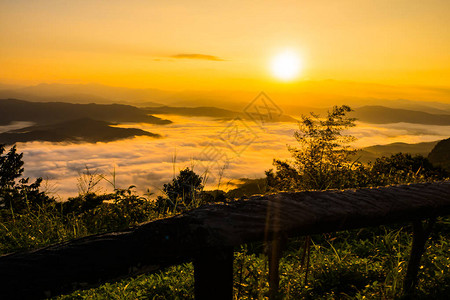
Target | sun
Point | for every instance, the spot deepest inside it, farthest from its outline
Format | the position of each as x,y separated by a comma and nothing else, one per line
286,65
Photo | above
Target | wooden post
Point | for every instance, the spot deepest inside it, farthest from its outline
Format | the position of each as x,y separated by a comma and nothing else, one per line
274,255
420,237
275,250
213,274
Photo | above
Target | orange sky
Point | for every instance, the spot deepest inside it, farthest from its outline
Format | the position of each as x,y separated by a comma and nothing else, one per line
144,43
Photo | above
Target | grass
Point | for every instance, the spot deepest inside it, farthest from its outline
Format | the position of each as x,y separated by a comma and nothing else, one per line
359,264
369,263
38,228
176,282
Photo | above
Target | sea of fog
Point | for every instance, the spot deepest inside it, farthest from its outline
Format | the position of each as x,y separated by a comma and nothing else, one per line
223,150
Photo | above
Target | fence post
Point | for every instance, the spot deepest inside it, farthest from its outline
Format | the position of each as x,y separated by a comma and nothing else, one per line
274,250
420,237
213,274
274,255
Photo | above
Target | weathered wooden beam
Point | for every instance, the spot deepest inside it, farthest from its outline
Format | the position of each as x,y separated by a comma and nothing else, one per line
93,260
213,274
151,246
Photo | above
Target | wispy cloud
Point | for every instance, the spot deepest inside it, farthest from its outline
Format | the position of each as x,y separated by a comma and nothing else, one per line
197,56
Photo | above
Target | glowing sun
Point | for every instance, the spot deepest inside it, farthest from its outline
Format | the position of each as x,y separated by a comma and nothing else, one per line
286,65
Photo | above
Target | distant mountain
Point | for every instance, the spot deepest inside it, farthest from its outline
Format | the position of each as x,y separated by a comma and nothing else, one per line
60,92
51,112
368,114
378,105
440,155
70,98
74,131
384,115
428,107
4,86
208,111
205,111
373,152
321,94
97,93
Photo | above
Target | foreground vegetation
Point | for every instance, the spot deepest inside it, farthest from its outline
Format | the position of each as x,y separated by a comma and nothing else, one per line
363,264
367,263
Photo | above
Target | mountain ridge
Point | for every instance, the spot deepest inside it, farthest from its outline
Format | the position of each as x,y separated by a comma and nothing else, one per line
73,131
51,112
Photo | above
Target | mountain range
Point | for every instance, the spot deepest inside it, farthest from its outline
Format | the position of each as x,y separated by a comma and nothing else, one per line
213,112
52,112
373,152
61,118
308,93
73,131
385,115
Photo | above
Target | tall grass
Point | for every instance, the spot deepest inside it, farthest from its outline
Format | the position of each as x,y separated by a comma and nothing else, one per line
38,228
359,264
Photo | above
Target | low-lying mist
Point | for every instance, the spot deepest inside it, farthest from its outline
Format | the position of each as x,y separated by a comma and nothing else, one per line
226,149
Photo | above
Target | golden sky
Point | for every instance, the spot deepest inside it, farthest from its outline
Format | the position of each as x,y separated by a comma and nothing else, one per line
206,45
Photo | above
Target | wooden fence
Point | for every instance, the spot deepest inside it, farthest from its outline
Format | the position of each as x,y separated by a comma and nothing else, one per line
208,235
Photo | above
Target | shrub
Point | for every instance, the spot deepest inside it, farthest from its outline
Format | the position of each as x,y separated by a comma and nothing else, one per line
16,194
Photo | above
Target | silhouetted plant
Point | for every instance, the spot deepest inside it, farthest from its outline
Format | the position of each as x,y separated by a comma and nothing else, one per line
88,180
324,158
183,192
16,194
404,168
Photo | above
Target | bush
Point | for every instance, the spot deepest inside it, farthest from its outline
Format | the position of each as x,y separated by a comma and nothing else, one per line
16,194
182,193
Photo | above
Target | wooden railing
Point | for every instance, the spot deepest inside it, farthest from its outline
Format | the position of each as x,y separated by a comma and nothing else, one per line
208,235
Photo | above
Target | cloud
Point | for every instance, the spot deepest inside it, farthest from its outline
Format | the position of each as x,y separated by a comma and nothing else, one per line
149,163
197,56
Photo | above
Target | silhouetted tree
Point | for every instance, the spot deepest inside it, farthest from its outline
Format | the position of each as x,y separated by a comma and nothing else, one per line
15,193
184,191
323,159
185,187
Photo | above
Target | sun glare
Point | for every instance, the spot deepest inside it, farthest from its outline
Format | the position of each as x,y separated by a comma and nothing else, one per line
286,65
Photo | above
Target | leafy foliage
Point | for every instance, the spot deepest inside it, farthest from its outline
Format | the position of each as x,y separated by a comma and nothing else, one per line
186,186
324,158
404,168
183,192
16,194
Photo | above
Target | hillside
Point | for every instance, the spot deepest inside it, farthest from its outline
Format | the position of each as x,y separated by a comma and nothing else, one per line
209,111
373,152
74,131
367,114
385,115
51,112
440,155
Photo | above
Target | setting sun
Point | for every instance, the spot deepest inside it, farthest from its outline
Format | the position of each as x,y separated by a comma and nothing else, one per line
286,65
